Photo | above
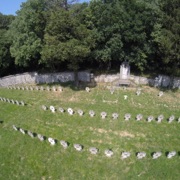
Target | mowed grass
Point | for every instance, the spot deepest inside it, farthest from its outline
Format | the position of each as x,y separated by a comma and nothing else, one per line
23,157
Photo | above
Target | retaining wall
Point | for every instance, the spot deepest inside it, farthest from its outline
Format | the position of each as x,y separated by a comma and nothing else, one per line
85,76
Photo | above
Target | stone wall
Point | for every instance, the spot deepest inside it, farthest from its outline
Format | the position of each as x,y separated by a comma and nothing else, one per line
35,78
85,76
160,81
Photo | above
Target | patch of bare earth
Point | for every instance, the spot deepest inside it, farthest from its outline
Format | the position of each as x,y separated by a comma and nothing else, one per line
117,133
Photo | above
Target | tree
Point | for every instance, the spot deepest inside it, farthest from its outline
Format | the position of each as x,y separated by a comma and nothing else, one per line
67,39
27,32
167,36
124,31
6,61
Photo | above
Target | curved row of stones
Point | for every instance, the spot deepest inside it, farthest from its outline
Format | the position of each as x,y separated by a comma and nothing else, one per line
12,101
103,114
92,150
38,88
87,89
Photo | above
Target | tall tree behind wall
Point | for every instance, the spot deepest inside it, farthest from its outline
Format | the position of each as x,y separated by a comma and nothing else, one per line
67,38
27,32
124,31
6,61
167,37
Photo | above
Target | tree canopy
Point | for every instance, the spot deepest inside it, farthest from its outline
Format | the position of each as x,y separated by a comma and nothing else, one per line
59,34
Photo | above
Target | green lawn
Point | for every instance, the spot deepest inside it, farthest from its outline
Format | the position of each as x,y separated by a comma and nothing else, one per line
23,157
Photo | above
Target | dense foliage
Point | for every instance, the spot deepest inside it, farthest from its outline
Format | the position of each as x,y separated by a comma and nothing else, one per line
59,34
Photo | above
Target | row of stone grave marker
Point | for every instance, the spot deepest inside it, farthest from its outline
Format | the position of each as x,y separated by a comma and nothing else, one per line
54,88
138,92
114,116
38,88
92,150
12,101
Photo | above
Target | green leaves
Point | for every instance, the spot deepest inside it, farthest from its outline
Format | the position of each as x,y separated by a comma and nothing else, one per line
66,39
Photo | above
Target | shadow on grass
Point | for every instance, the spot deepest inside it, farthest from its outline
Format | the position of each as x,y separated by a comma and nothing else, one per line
174,90
71,85
1,122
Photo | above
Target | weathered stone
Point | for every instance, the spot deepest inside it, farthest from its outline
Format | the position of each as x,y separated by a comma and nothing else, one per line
125,97
160,118
108,152
125,155
91,113
15,128
30,134
93,150
41,137
64,144
44,107
87,89
139,117
52,141
156,155
78,147
70,111
61,110
141,155
103,115
171,118
127,116
150,118
115,115
52,108
171,154
160,94
80,112
22,131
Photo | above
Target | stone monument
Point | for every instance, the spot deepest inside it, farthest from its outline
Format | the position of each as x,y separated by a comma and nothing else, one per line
124,74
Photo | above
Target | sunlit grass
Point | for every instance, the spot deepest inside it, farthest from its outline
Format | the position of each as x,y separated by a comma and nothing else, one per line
23,157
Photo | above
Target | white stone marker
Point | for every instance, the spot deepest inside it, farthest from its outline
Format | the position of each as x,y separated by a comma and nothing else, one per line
127,116
160,118
93,150
171,154
78,147
41,137
160,94
30,134
139,117
91,113
141,155
108,152
44,107
22,131
115,115
157,155
125,97
54,89
60,89
87,89
125,155
15,128
51,141
70,111
52,108
171,118
150,118
80,112
61,110
103,115
64,144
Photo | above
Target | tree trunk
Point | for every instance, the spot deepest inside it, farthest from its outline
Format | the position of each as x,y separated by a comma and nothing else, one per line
76,79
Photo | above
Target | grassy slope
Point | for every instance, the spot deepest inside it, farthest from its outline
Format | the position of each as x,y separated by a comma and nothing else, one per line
25,158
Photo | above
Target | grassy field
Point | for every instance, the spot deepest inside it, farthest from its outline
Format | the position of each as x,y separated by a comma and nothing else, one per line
23,157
